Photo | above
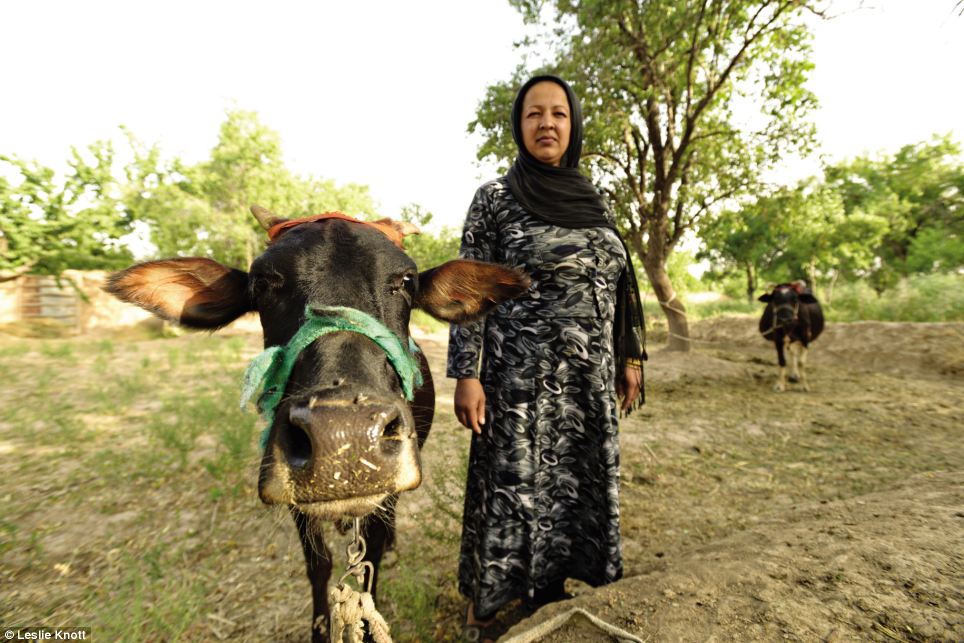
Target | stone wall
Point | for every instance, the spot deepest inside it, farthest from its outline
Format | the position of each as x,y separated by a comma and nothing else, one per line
94,310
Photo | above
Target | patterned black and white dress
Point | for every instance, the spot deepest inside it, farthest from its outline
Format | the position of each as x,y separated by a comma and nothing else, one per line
542,497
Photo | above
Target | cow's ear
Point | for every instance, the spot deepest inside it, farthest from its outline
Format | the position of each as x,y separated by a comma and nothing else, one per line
463,290
807,298
192,291
765,297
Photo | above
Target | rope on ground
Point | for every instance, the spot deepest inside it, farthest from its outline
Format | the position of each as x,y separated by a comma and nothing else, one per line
666,304
350,610
556,622
690,339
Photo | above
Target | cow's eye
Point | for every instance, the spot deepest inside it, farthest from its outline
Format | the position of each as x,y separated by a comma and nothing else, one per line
265,282
404,283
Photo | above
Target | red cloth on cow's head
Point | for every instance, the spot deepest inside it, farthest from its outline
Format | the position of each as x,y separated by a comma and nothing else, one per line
798,287
385,226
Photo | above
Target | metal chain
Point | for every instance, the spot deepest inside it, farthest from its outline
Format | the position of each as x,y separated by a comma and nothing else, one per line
351,609
355,552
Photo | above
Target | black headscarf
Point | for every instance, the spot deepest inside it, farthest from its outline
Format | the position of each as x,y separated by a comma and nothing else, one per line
562,196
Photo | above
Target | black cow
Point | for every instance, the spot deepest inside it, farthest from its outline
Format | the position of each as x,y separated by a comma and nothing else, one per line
793,319
344,440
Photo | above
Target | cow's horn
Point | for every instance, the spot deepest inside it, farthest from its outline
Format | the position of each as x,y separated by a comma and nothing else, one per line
404,228
265,217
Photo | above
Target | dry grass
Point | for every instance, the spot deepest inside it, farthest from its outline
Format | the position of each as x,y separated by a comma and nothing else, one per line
128,500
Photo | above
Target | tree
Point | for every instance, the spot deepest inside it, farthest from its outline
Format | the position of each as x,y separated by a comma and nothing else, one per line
82,222
47,226
794,232
822,241
663,83
747,239
202,209
428,249
919,191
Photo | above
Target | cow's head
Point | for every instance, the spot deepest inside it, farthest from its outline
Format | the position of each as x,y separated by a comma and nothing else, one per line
785,300
343,435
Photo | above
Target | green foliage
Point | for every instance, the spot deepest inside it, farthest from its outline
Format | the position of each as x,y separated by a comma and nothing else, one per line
47,226
428,249
875,219
919,192
677,267
917,298
202,209
934,297
939,248
817,238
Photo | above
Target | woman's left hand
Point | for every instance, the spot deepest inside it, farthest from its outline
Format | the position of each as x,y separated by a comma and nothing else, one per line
628,387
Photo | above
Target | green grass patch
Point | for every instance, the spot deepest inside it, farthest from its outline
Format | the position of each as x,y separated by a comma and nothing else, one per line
921,298
697,310
20,349
59,351
147,601
228,351
236,433
126,387
175,429
411,591
8,536
446,489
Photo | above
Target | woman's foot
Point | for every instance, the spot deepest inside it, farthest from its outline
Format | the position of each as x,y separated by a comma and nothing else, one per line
476,630
551,593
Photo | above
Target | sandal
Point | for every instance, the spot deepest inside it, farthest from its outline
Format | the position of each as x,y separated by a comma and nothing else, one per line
478,633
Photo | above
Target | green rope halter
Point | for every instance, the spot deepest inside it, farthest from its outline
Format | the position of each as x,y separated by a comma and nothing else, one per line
271,369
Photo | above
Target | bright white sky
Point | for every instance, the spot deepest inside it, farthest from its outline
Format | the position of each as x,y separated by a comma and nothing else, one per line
380,92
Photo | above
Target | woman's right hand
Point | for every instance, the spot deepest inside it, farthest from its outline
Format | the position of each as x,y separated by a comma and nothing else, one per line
470,404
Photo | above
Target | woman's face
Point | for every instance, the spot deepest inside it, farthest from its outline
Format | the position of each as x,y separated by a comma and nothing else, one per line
545,122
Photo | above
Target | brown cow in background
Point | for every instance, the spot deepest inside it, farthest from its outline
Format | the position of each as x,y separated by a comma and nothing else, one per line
792,320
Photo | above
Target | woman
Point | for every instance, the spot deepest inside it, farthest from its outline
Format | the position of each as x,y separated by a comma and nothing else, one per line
541,501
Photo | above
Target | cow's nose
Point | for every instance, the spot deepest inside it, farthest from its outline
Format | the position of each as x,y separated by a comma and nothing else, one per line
354,445
336,425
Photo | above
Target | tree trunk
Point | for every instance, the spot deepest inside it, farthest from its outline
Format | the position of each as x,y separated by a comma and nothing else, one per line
750,282
676,319
833,282
812,276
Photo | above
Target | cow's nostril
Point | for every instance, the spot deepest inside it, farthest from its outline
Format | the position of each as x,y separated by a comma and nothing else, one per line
391,437
392,428
296,446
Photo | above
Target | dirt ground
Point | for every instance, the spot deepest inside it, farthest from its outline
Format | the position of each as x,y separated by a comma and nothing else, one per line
746,514
882,566
814,526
